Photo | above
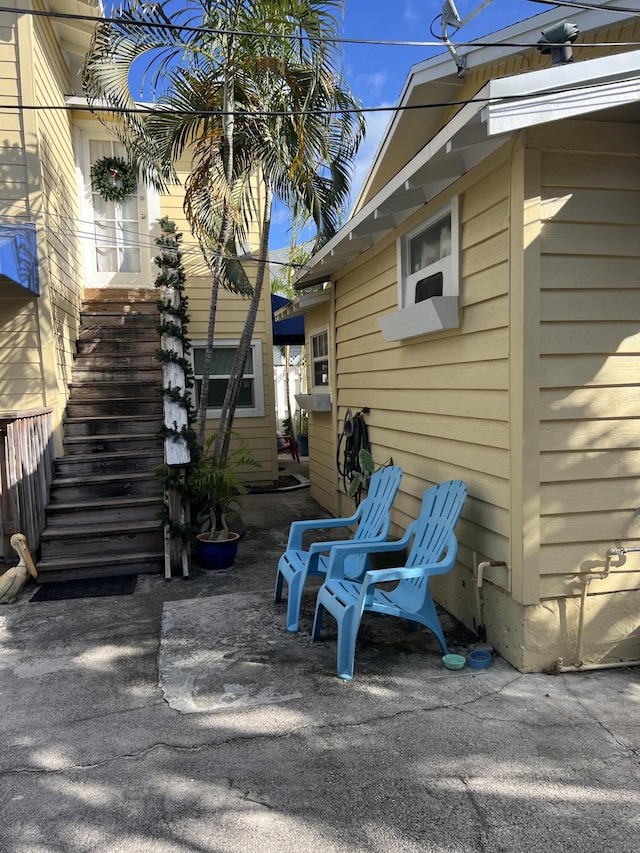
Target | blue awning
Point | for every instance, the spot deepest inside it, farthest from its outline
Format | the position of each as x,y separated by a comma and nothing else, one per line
19,257
286,331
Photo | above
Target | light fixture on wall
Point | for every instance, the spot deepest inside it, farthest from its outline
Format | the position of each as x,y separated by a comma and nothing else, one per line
557,41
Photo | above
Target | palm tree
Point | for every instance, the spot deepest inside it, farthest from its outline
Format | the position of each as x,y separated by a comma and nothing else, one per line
307,133
238,84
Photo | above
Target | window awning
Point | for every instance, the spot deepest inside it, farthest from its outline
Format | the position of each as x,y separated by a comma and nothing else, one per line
18,259
289,331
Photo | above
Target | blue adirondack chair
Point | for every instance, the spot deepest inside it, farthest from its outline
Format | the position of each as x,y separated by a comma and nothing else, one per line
433,552
373,520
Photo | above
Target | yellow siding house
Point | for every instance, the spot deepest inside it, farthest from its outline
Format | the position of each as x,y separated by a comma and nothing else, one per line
483,302
60,246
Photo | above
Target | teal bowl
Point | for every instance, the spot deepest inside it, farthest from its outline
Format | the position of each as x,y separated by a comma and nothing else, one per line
454,661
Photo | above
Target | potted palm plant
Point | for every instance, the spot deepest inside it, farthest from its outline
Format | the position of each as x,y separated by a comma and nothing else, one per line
359,484
218,487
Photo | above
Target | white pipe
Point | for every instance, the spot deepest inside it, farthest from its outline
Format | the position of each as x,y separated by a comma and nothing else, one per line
560,667
585,579
480,568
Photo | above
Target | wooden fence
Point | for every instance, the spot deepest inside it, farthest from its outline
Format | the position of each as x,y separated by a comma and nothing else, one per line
26,466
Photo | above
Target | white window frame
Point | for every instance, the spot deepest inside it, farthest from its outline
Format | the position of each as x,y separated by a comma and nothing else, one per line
257,411
437,312
316,333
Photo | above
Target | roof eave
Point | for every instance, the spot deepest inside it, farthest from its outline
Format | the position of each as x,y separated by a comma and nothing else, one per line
442,67
500,109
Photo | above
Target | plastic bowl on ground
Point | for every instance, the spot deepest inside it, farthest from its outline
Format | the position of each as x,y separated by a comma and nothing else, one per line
454,661
479,659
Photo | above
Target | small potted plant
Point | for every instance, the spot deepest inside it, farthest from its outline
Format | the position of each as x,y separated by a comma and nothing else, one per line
359,484
218,487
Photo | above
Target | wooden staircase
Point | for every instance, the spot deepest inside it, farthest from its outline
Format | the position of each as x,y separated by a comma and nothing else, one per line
105,499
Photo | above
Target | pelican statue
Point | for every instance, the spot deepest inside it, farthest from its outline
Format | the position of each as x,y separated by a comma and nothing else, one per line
13,580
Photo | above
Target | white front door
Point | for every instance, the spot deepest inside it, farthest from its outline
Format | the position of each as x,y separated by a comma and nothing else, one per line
118,235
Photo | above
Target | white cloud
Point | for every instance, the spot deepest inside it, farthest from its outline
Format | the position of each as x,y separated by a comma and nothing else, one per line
371,84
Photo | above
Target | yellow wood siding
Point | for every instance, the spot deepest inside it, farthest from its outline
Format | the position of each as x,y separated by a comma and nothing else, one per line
589,350
13,187
39,334
59,203
20,365
231,312
439,403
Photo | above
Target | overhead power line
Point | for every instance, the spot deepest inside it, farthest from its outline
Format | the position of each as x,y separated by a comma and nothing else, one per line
83,229
161,111
305,38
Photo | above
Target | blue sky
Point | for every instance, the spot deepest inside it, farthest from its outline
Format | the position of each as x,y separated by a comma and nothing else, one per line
377,73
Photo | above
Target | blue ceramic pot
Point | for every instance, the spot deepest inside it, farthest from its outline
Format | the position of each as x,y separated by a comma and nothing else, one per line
215,556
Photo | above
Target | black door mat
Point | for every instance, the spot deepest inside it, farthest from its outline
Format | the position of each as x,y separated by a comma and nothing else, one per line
86,588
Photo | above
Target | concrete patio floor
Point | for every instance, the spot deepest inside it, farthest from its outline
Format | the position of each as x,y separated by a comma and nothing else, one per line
185,719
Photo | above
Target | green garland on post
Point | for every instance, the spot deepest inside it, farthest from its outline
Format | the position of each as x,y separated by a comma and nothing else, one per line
113,178
171,275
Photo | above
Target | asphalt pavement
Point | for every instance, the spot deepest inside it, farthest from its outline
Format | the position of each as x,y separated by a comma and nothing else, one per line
184,718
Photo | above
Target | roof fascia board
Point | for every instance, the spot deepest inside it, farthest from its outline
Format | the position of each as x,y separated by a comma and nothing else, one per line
401,181
614,80
441,66
302,303
529,28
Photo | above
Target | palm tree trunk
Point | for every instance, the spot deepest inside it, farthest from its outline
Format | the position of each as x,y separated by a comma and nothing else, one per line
228,125
223,436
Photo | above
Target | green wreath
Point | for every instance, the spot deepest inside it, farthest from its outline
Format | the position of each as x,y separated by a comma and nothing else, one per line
113,178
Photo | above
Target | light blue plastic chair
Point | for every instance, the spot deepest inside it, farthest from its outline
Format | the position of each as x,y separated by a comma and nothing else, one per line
433,552
373,520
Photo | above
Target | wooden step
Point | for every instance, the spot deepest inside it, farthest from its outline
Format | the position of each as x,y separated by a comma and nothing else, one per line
117,360
125,537
89,464
104,511
136,424
114,406
88,487
103,517
121,374
130,389
122,306
95,565
105,333
116,348
90,445
132,319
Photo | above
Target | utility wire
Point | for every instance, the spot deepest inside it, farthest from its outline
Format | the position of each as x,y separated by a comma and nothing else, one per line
295,36
191,249
160,111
